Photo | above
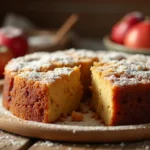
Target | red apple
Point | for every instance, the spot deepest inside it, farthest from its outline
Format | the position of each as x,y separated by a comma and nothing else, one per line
135,14
138,36
120,29
14,39
5,56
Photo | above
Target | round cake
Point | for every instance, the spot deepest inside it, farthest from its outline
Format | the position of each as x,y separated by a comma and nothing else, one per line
45,86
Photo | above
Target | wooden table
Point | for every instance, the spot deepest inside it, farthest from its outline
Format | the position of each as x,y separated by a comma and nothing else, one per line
10,141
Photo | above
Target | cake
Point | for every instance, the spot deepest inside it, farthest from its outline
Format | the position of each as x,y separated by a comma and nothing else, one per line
105,56
45,96
121,92
45,86
43,62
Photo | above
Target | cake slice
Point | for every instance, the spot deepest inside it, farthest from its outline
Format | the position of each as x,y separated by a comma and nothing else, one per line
121,92
43,62
45,96
32,62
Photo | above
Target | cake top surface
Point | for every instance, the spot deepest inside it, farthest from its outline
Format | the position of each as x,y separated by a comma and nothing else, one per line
139,58
126,72
31,62
45,60
111,56
105,56
46,77
82,53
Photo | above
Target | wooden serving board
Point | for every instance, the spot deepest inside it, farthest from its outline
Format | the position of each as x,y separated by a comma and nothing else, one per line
87,131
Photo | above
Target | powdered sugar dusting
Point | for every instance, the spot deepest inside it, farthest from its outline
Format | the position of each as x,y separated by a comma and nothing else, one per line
39,60
46,77
29,62
111,56
81,53
62,58
105,56
126,72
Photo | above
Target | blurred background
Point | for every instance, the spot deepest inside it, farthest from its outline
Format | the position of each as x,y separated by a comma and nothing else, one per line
96,16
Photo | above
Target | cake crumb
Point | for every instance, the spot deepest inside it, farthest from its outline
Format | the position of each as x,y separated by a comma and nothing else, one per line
77,116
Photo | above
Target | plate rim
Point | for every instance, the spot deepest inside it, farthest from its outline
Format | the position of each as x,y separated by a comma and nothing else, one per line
112,46
74,133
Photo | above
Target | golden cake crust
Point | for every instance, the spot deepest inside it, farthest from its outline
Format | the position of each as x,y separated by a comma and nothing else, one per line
44,61
120,85
127,86
42,96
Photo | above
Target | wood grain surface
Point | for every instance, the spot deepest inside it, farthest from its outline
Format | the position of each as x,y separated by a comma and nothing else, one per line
48,145
10,141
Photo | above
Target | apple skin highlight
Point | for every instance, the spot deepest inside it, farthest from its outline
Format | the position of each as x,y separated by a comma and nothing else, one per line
138,36
120,29
15,40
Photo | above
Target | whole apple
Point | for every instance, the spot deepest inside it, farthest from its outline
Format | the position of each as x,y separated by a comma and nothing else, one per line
15,40
121,28
138,36
5,56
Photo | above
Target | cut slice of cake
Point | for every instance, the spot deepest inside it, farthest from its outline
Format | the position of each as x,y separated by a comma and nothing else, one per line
121,92
45,96
32,62
43,62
